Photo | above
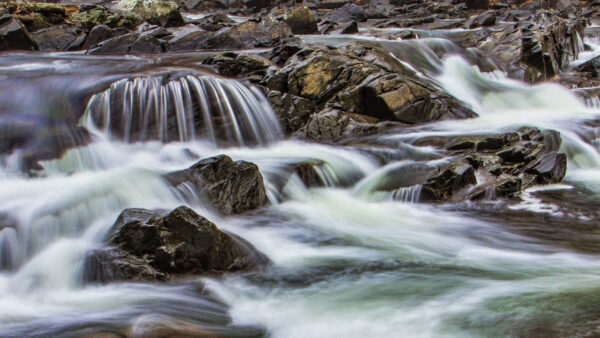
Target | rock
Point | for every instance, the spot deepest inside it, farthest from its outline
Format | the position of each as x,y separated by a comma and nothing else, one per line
550,168
98,34
591,66
477,4
351,28
57,38
14,36
452,180
358,82
482,20
214,22
234,64
301,21
347,13
190,39
507,165
146,44
157,245
104,16
117,45
248,34
229,187
330,125
156,12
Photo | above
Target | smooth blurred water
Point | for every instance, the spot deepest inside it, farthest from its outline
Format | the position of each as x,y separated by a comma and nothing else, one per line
352,258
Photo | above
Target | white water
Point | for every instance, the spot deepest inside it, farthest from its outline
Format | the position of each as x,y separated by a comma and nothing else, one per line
351,259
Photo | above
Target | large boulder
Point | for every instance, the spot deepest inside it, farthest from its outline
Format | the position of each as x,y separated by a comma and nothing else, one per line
494,166
98,34
348,13
248,34
361,84
157,12
229,187
117,45
58,38
157,245
104,16
301,21
14,36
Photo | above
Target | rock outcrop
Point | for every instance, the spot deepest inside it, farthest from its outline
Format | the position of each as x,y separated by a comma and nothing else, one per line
158,245
229,187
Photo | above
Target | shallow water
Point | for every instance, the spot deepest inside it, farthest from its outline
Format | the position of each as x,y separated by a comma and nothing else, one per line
348,260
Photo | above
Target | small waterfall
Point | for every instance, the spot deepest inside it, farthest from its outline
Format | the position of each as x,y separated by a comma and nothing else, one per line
593,102
8,248
410,194
223,111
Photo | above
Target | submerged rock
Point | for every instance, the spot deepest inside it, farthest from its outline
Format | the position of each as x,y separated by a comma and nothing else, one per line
229,187
157,245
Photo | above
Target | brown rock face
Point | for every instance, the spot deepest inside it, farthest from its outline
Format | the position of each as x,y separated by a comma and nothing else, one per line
157,245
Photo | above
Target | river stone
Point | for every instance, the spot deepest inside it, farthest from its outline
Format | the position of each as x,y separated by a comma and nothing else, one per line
229,187
98,34
157,12
302,21
105,16
117,45
248,34
57,38
158,244
14,36
348,13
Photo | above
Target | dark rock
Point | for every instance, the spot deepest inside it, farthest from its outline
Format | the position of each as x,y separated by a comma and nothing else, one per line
591,66
349,12
477,4
14,36
550,168
483,20
249,34
302,21
234,64
188,40
146,44
98,34
452,180
229,187
117,45
156,245
57,38
104,16
491,143
351,28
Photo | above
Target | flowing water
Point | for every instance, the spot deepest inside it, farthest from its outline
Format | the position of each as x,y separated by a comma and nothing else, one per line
349,260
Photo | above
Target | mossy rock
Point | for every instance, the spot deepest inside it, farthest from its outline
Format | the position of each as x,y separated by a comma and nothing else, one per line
103,16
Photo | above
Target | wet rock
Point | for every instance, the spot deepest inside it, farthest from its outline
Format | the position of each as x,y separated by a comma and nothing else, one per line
105,16
591,66
477,4
229,187
511,163
158,244
550,168
146,44
14,36
57,38
483,20
248,34
156,12
351,28
330,125
214,22
301,21
191,39
359,82
234,64
98,34
117,45
448,182
348,13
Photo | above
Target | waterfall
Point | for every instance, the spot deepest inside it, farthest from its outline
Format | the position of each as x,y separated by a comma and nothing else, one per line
222,111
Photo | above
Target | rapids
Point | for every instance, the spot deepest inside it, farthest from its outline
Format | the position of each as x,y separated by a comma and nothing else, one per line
349,261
